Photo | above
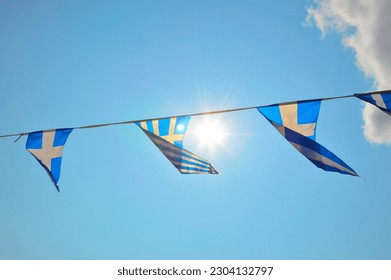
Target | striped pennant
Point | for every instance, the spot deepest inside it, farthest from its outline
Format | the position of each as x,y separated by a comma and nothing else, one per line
297,123
185,161
315,152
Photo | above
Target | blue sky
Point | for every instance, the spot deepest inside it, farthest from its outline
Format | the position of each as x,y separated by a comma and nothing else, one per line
73,63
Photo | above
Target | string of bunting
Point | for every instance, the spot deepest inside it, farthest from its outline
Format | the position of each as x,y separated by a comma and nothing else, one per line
296,121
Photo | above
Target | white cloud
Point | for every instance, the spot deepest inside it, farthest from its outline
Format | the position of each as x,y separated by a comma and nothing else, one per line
365,27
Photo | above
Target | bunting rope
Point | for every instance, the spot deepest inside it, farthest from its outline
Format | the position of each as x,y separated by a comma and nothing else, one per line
19,135
296,121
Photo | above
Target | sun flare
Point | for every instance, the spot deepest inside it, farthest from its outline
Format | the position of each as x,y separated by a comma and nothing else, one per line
210,133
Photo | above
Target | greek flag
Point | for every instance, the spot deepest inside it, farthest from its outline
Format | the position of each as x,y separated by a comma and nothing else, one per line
171,129
167,135
380,100
297,123
46,147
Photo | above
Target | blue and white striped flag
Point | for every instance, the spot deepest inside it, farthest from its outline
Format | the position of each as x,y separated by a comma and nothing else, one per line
380,100
297,123
47,147
167,135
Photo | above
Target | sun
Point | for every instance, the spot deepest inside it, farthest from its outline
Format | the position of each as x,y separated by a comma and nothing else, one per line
210,132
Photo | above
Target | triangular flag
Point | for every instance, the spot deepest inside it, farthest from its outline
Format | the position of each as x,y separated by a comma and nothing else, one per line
47,147
380,100
170,129
297,122
167,135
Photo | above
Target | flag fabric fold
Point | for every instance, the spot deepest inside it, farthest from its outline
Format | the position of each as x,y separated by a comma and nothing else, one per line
380,100
47,148
297,123
167,135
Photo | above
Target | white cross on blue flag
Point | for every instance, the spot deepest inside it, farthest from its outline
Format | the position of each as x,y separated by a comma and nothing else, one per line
297,122
46,147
